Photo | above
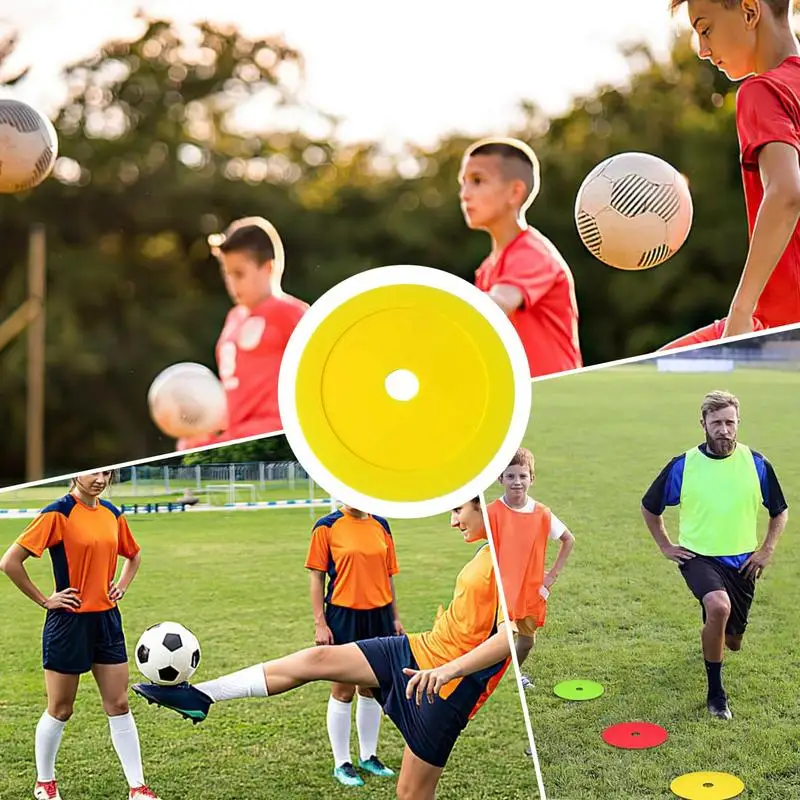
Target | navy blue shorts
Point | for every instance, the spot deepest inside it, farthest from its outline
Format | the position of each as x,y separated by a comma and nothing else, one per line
429,729
72,642
350,624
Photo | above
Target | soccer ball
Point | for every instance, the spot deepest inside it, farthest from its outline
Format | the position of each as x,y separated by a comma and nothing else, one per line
167,654
28,146
633,211
188,400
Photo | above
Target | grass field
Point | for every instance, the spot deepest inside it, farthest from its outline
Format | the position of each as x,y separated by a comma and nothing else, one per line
621,613
237,580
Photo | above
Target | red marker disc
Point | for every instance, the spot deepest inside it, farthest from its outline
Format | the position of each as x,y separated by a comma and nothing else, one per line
635,735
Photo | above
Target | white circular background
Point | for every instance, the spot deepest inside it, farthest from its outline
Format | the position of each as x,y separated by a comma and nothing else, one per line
399,275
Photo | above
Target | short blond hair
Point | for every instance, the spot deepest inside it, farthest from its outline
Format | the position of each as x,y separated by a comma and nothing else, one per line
716,401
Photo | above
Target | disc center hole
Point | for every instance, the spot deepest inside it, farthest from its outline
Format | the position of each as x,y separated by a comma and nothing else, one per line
402,385
636,733
708,785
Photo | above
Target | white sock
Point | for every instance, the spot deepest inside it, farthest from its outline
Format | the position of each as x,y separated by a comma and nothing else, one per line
249,682
339,721
49,731
125,738
368,723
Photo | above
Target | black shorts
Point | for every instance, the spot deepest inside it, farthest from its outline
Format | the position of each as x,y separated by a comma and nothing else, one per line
704,574
351,624
72,642
430,729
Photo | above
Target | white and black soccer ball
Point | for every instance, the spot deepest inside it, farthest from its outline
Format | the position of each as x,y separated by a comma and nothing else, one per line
28,146
633,211
188,400
167,654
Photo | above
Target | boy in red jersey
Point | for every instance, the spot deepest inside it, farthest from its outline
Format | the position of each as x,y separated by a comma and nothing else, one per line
753,39
521,529
256,331
524,274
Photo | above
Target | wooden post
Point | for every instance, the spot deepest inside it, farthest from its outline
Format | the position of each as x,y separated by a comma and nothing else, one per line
36,354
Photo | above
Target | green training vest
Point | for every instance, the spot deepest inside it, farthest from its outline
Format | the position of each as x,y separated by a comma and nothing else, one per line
720,498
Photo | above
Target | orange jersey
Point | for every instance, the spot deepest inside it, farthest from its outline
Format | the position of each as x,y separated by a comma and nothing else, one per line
547,320
249,354
84,545
359,557
471,618
520,540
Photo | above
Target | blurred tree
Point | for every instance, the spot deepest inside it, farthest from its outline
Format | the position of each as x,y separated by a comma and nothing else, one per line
273,448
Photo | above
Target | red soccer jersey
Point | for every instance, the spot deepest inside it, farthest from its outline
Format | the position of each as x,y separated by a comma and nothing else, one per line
547,320
768,110
249,353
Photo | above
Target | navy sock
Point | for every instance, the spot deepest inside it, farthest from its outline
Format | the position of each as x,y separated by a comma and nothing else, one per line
714,673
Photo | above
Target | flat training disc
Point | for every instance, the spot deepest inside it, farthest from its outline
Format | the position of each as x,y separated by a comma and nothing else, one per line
707,786
578,690
404,391
634,735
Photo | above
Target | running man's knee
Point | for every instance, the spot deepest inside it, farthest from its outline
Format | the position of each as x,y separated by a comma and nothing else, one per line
718,607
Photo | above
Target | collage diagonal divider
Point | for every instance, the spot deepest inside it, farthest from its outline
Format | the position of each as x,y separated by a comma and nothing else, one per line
510,634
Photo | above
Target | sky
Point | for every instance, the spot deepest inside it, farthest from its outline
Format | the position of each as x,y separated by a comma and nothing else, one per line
435,67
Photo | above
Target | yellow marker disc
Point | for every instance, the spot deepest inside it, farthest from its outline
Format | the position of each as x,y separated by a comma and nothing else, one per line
404,391
707,786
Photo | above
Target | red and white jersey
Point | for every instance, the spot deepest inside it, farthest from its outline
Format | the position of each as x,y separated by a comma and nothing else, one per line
249,353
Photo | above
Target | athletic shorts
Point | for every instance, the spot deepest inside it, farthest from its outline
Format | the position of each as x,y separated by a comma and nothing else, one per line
351,624
72,642
430,729
704,574
710,333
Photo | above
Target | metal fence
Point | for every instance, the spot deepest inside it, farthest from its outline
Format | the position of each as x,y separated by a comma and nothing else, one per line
243,481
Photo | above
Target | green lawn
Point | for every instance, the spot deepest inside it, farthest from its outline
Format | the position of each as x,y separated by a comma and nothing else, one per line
621,614
237,580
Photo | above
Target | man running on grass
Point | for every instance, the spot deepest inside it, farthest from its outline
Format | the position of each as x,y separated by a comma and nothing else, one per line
719,487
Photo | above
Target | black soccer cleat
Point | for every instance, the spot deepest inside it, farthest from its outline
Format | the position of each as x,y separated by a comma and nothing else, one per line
718,707
184,699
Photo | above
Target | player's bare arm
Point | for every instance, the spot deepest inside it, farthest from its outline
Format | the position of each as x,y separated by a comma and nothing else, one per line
658,530
509,298
116,591
12,564
776,221
755,565
398,625
430,681
567,543
322,633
